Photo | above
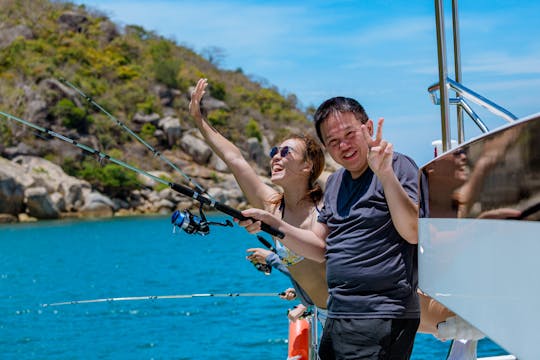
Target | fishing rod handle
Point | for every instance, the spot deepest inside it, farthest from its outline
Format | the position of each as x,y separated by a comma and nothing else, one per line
223,208
238,215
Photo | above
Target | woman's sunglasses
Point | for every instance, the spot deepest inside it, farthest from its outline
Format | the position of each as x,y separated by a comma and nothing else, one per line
282,151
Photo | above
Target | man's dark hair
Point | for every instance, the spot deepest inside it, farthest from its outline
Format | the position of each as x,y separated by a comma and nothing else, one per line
338,104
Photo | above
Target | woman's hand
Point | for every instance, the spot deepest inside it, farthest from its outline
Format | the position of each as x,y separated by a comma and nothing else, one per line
196,97
258,255
256,216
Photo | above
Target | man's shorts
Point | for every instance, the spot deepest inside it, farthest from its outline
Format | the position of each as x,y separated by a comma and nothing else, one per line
374,339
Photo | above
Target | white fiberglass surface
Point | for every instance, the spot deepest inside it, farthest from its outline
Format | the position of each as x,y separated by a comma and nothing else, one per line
488,272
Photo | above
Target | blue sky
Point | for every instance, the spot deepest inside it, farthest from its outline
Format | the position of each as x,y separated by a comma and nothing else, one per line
381,52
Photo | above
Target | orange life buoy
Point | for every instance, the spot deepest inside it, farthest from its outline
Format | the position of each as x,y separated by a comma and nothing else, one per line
298,340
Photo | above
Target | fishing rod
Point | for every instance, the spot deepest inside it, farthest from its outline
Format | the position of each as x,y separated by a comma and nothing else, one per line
199,188
158,297
184,220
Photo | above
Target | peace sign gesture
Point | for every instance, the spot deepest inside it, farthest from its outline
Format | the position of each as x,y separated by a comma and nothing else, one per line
380,151
196,96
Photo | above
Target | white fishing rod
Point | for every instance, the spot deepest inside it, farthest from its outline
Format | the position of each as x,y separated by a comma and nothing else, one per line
160,297
184,220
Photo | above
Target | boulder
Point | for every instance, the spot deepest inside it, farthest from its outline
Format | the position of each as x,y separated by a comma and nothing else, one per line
230,197
73,193
171,128
196,148
72,21
39,204
24,217
146,193
256,153
149,182
187,203
11,195
120,204
142,119
54,84
135,198
8,218
171,195
109,31
20,149
208,103
97,205
7,36
36,110
166,95
13,181
216,163
164,206
58,201
51,176
160,136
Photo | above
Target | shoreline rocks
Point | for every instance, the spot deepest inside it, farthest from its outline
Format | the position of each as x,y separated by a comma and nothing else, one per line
32,189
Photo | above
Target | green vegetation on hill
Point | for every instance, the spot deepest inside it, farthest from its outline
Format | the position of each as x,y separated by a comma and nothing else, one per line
128,71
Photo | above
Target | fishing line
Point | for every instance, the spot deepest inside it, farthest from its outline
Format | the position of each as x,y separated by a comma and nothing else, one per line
199,226
198,187
160,297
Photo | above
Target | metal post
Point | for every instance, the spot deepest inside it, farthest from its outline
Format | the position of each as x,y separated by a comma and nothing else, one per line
441,55
457,67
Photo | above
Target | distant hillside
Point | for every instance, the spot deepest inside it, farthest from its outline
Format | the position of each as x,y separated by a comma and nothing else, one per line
138,76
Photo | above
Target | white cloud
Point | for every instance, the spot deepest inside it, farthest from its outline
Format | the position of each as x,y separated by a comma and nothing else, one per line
498,63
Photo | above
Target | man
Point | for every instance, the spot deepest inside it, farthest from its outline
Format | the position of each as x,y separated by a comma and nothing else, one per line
367,233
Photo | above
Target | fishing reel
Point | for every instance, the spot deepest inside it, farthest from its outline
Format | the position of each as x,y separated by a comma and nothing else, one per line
265,268
190,223
193,224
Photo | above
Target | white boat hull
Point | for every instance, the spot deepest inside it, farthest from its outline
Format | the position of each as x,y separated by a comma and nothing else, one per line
480,243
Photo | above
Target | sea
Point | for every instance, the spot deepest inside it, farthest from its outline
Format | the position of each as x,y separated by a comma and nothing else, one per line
48,262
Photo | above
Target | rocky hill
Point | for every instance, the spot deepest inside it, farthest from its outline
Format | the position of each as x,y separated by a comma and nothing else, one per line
139,78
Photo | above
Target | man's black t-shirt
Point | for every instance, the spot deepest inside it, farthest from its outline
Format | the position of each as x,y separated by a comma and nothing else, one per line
371,269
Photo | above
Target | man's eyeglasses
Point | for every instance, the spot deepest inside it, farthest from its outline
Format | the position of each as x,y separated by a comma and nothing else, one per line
284,151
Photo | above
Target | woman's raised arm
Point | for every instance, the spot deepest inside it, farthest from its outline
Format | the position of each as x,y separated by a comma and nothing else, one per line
255,190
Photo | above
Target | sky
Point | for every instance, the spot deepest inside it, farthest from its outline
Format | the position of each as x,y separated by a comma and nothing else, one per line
383,53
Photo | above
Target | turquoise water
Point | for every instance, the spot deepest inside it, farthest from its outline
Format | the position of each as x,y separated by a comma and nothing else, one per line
52,262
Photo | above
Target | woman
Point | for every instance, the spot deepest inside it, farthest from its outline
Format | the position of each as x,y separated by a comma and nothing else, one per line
295,166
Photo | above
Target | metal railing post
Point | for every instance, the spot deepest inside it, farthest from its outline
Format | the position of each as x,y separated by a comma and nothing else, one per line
457,67
441,55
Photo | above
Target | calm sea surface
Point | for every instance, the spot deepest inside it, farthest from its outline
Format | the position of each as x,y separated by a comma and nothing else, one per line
52,262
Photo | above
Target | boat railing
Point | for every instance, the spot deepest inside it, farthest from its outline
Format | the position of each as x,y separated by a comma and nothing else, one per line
464,93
